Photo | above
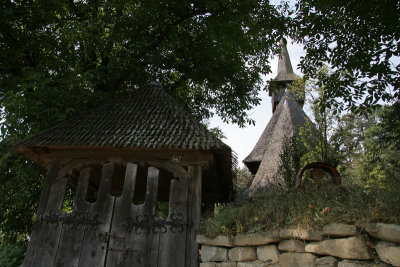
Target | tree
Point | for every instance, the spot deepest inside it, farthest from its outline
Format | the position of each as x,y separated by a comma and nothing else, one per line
315,135
348,141
380,163
359,40
61,58
208,54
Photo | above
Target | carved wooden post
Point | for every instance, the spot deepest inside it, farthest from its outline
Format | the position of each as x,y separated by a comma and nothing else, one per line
194,212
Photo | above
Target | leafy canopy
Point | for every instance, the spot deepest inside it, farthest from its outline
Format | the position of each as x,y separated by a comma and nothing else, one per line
62,57
360,42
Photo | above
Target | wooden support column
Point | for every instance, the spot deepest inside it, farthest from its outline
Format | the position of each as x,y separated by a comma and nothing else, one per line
194,212
35,232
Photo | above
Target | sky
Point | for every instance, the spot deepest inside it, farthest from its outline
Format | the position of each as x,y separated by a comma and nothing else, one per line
242,140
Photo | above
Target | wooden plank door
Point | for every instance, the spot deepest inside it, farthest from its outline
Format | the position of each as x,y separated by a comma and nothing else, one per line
120,247
145,240
95,242
73,230
173,242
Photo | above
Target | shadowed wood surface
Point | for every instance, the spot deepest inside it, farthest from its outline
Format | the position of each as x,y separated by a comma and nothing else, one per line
113,230
70,245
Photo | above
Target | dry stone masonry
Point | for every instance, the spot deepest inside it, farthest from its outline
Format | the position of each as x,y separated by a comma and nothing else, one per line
337,245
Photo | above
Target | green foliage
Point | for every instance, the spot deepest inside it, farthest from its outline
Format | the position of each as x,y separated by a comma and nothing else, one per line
20,187
217,132
368,148
380,160
12,255
291,160
242,180
359,40
162,209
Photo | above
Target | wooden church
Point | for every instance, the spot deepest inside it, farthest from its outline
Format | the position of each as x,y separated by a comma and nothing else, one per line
122,160
287,119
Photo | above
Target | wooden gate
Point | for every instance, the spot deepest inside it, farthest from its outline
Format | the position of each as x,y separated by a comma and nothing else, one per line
113,231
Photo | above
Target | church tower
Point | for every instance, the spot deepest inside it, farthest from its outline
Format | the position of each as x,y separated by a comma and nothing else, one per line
284,77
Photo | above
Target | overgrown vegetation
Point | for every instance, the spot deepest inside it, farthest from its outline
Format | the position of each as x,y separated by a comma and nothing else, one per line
307,208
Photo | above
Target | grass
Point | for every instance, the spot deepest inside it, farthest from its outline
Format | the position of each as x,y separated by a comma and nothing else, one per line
309,208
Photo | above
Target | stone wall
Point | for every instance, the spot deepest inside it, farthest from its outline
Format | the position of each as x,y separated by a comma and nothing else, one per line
336,245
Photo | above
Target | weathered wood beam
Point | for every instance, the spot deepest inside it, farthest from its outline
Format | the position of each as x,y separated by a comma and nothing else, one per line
46,156
177,171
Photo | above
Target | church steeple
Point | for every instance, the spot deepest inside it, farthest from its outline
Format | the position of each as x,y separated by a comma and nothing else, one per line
284,77
285,70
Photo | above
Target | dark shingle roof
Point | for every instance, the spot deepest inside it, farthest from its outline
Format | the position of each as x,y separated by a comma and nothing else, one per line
147,118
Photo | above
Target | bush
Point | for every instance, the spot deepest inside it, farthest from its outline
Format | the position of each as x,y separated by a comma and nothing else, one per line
12,255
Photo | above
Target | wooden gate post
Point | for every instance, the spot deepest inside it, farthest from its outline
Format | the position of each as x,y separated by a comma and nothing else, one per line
35,232
194,212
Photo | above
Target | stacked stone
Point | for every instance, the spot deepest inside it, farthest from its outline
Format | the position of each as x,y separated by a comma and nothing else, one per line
338,245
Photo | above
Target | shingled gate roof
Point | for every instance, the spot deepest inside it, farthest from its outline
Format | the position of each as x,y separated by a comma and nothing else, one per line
264,160
147,125
147,118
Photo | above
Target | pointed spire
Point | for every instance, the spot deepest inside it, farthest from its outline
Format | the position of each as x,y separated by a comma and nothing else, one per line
285,76
285,70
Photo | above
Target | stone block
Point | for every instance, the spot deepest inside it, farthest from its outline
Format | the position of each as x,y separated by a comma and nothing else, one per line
384,231
300,234
218,241
258,239
292,245
389,253
242,254
253,264
207,264
339,229
326,262
345,248
268,253
209,253
348,263
226,264
291,259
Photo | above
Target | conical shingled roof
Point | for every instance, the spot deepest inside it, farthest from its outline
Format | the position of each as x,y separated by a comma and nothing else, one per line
147,118
285,70
285,122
